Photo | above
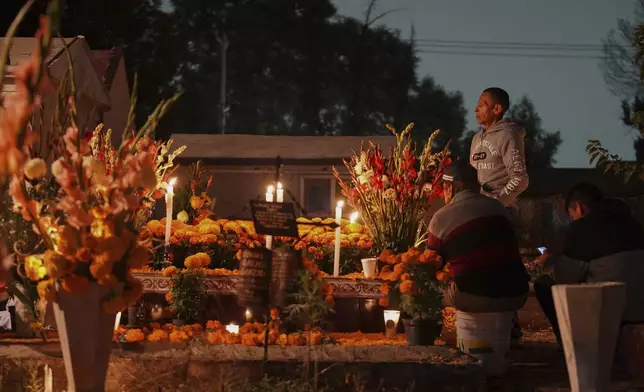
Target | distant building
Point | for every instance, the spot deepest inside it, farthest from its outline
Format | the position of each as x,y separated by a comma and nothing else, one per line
99,76
244,165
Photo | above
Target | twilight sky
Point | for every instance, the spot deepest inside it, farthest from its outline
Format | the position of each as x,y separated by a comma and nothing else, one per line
569,94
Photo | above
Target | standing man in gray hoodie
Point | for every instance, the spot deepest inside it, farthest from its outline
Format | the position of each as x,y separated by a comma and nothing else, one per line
498,155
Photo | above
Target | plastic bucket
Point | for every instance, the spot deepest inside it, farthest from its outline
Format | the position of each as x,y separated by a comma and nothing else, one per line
486,337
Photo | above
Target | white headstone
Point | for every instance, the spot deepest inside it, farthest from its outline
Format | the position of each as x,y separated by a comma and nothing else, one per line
589,317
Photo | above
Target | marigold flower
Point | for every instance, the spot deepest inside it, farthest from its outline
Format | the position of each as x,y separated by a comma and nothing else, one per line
158,335
329,300
178,336
153,225
442,276
183,216
75,284
384,288
192,262
168,297
383,301
169,272
406,287
134,335
405,276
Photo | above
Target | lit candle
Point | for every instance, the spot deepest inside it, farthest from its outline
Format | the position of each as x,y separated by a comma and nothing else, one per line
391,322
169,197
249,315
354,217
338,230
49,379
117,322
232,328
269,198
280,193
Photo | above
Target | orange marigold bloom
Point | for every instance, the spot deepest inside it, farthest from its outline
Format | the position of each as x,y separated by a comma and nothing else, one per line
384,288
384,302
134,335
405,276
406,287
158,335
442,276
399,269
178,336
169,272
168,297
75,284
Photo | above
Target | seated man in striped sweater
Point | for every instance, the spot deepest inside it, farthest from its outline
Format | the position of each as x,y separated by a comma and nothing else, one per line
475,235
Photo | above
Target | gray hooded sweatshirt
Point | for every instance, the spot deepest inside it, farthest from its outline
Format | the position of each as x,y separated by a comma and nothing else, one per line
498,155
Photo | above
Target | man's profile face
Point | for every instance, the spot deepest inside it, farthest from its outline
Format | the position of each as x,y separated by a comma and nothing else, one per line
576,211
487,110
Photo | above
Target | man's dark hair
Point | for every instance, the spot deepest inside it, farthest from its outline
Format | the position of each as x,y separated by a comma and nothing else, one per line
463,174
584,193
501,97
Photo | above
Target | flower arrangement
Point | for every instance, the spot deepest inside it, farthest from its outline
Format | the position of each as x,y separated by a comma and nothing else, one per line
414,280
194,202
187,291
163,165
86,231
393,192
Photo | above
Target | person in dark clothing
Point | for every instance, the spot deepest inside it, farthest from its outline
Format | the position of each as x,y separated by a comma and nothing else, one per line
604,243
475,235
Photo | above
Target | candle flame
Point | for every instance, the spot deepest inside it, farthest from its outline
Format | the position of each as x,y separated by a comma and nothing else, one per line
354,217
340,203
172,181
232,328
270,189
249,314
279,185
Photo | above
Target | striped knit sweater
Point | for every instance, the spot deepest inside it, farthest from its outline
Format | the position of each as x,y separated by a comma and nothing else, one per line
474,234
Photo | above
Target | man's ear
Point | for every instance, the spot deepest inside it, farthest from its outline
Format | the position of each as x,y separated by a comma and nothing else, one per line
498,109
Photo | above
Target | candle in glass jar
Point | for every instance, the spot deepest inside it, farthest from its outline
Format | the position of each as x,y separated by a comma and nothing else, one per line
338,230
169,198
269,198
232,328
280,193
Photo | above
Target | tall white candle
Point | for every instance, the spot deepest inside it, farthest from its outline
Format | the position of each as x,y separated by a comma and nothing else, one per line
280,193
269,198
117,322
338,230
49,379
169,198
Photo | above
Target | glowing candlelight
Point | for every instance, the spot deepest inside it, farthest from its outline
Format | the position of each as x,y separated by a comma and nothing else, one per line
354,217
117,322
270,190
169,198
249,315
391,322
232,328
338,221
280,193
49,379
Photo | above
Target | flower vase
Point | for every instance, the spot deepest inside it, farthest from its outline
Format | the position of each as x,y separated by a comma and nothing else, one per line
422,332
85,333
